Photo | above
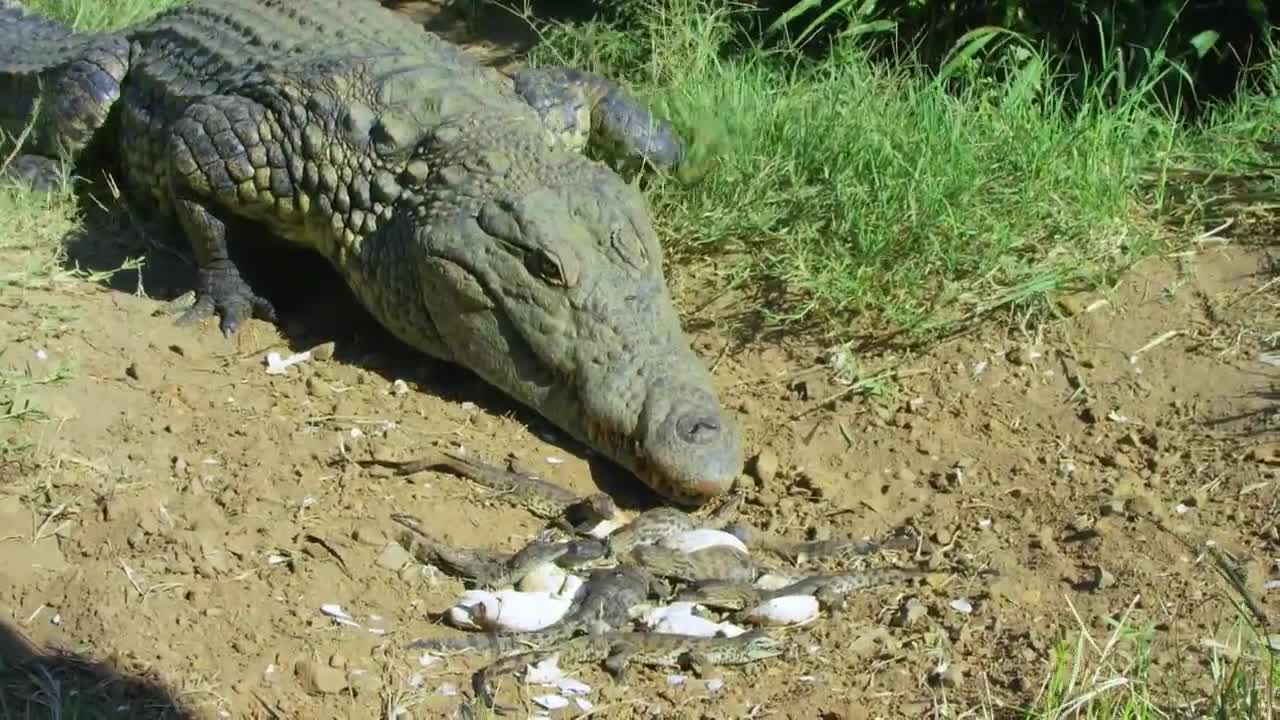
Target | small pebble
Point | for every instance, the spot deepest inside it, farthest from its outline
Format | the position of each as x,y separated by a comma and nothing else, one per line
317,679
766,498
323,351
369,534
412,573
1073,304
929,446
949,675
909,613
365,683
1022,356
1268,454
394,557
317,387
765,466
551,702
868,644
1113,507
1099,578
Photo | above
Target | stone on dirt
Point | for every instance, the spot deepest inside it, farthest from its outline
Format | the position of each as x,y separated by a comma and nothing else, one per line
765,466
394,557
319,679
369,534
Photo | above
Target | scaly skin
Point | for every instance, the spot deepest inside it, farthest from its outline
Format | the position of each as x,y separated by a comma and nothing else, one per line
617,650
800,551
461,216
495,569
830,590
647,528
721,594
75,80
548,501
717,562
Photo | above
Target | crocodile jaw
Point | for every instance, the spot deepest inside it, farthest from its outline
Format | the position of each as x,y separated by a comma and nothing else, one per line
681,443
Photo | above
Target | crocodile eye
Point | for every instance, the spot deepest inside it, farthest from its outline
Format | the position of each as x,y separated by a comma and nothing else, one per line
551,269
546,267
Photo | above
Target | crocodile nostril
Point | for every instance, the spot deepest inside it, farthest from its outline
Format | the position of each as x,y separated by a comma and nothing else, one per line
698,428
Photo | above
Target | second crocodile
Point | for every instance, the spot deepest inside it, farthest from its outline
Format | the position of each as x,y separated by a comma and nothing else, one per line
619,649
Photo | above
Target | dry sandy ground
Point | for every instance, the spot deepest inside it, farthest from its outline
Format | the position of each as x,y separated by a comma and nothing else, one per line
182,516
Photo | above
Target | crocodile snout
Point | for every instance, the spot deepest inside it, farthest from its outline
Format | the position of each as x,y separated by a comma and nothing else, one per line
698,428
692,448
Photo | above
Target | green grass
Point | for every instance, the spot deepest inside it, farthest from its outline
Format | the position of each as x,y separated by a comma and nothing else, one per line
859,196
1113,678
90,15
31,248
851,195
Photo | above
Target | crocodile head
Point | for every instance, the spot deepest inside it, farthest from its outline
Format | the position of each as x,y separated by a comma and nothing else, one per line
550,286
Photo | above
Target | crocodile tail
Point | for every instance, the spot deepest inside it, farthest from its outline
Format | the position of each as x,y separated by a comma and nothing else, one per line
57,86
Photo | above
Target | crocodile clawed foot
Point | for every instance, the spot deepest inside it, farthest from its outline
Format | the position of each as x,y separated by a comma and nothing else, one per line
223,291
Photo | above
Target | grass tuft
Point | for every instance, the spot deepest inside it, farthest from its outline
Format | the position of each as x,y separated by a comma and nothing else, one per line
1237,679
858,194
96,15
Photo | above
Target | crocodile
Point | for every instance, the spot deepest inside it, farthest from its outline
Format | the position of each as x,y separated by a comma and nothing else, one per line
564,508
831,590
494,569
455,202
716,562
619,649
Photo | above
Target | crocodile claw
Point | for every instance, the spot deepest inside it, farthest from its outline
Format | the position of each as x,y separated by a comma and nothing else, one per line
223,291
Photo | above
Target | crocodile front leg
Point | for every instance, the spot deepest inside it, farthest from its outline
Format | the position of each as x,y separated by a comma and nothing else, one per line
581,108
211,175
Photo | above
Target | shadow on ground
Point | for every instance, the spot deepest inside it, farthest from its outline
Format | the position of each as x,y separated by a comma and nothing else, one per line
37,683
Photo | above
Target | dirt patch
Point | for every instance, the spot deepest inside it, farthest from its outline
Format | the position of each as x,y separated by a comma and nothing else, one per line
186,515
